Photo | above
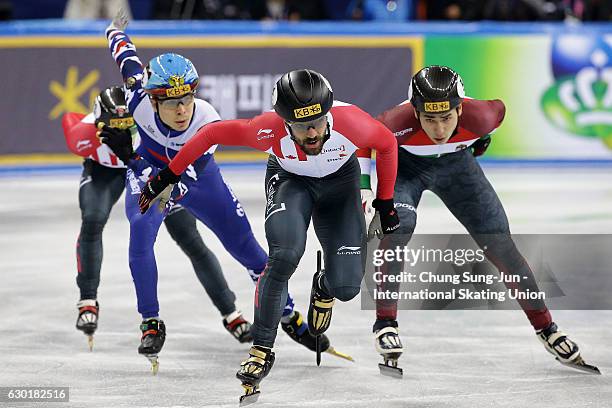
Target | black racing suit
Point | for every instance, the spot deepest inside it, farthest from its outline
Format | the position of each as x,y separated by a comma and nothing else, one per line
459,181
333,202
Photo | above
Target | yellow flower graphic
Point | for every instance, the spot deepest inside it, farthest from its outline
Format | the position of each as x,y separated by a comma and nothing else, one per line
69,94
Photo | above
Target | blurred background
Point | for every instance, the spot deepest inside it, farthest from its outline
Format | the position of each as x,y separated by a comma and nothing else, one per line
549,61
296,10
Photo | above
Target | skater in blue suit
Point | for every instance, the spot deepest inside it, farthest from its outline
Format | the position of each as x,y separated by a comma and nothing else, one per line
161,98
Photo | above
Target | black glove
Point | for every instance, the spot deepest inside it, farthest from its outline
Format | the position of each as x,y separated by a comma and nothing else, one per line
119,141
480,146
389,220
155,186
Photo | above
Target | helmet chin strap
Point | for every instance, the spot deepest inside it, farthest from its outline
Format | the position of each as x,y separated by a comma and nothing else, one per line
325,137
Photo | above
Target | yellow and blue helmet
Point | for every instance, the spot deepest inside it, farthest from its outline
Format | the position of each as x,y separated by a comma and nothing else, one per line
170,76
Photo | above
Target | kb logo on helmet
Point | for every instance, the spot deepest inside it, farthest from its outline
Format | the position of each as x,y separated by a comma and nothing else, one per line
178,87
437,106
307,111
176,81
178,91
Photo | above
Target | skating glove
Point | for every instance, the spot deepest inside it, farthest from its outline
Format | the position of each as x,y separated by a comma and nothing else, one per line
367,196
119,141
158,184
480,146
120,21
386,220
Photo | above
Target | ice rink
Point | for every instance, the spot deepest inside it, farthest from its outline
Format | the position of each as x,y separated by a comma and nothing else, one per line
452,358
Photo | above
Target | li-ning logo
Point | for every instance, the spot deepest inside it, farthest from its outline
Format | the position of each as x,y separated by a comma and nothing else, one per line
349,250
437,106
83,144
265,134
307,111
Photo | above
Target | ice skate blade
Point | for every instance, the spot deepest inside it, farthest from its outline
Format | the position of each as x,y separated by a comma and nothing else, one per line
579,364
391,371
90,342
337,353
251,395
318,349
154,363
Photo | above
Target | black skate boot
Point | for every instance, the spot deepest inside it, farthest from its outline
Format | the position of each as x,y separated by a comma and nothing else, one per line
253,370
320,309
152,340
297,329
87,320
565,351
389,346
238,327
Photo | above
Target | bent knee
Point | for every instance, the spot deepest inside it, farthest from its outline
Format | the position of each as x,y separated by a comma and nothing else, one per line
282,262
91,228
287,256
345,293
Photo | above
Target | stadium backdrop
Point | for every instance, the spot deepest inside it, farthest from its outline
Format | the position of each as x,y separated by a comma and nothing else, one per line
556,80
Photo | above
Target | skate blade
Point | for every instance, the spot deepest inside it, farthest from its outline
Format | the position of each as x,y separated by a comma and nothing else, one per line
251,395
154,363
337,353
318,348
90,342
579,364
390,371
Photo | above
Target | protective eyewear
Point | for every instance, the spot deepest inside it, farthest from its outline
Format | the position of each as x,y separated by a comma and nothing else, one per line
173,103
302,127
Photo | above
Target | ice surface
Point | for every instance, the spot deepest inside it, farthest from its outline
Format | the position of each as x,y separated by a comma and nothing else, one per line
452,358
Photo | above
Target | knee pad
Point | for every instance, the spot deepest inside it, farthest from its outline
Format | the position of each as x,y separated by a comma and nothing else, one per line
92,230
345,293
282,262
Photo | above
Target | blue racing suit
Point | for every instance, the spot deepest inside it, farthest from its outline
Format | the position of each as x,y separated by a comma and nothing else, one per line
201,190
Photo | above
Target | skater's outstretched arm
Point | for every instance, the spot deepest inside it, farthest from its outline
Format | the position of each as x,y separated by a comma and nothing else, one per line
240,132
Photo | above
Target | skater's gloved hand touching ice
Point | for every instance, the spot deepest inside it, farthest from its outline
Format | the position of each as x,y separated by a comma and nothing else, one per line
119,141
386,220
120,21
367,197
481,145
158,184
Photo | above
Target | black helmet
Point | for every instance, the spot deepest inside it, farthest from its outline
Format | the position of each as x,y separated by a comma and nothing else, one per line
111,109
436,89
302,95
